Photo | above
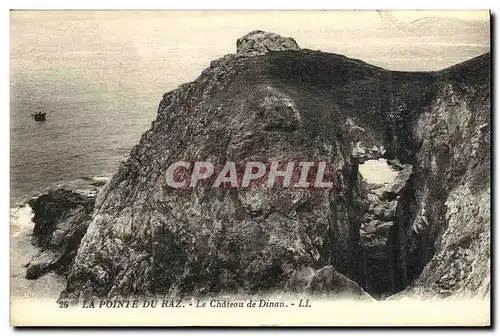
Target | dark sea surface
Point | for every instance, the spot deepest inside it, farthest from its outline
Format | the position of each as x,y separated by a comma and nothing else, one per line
88,131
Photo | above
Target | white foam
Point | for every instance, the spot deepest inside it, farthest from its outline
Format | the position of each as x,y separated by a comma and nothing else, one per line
20,221
21,252
100,179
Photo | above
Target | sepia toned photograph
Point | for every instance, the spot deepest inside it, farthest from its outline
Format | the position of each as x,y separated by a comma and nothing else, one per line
250,168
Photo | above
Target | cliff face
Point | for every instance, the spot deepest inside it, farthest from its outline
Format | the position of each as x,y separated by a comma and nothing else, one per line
275,102
451,225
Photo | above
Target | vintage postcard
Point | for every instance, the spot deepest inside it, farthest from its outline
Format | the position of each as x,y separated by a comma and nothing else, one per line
250,168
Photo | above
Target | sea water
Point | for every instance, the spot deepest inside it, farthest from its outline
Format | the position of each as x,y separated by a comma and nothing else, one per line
50,285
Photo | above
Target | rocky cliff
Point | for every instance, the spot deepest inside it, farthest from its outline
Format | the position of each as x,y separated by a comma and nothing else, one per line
449,232
272,101
61,219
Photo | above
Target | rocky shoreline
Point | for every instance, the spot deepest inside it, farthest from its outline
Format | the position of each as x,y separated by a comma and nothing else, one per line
61,220
426,233
60,216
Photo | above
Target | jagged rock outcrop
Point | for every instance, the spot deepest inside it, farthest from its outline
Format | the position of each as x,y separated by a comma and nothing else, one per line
272,101
61,220
259,42
325,282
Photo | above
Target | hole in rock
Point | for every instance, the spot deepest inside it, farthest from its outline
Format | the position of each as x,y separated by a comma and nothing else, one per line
377,172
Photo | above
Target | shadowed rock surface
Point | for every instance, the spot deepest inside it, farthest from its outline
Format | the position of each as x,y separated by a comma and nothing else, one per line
325,282
61,220
449,233
273,101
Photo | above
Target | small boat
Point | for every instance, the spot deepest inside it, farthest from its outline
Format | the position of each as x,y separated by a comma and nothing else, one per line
39,116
